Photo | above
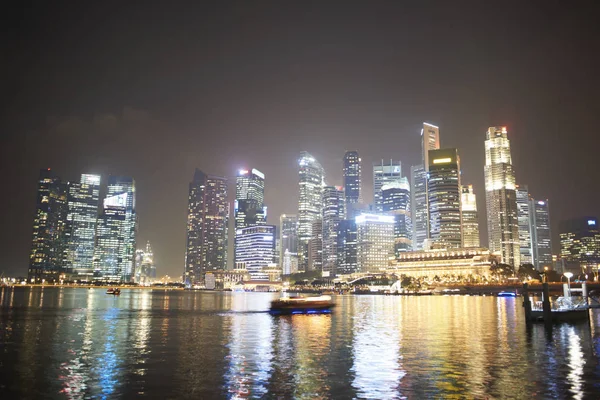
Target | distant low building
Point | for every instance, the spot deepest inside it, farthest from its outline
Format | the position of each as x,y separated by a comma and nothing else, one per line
225,279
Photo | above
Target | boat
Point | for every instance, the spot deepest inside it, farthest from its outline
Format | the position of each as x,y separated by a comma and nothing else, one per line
301,305
507,294
114,291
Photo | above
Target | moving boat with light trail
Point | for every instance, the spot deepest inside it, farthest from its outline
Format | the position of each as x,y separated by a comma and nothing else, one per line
302,305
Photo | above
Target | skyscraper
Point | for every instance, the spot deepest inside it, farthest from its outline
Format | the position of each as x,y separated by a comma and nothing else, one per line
443,197
383,174
430,140
541,238
375,241
523,216
315,247
352,177
396,202
46,260
114,254
145,270
333,213
255,246
501,198
249,208
310,203
347,247
470,221
288,237
84,198
580,244
208,215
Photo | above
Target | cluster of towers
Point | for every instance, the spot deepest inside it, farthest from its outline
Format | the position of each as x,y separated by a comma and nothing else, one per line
75,240
334,231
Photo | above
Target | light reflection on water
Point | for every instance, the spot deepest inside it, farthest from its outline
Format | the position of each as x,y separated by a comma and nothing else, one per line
79,343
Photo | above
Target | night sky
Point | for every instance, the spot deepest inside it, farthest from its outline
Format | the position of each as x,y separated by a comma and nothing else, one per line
156,89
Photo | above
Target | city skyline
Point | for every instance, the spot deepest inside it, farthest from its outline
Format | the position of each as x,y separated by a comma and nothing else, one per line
326,90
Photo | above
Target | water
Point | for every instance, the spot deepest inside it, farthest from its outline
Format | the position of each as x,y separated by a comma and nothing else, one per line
80,343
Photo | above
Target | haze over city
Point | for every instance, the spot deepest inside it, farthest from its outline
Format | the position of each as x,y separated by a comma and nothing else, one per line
154,92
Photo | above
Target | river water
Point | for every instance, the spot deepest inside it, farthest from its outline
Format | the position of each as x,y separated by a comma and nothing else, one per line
80,343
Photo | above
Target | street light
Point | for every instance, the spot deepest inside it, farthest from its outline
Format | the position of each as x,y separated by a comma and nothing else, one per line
569,275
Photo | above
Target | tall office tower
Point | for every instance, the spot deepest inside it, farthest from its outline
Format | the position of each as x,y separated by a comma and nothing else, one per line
470,221
375,241
84,198
288,237
207,222
541,238
523,216
501,198
145,270
110,235
420,213
430,140
333,213
347,251
580,244
396,202
290,263
256,249
352,177
443,197
383,174
315,247
46,260
249,208
310,203
118,185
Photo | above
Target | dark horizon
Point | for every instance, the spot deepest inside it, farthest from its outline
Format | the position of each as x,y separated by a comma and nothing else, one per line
154,90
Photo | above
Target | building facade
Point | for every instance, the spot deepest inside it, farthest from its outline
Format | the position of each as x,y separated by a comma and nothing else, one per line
333,212
501,199
288,240
352,177
580,243
470,218
145,270
541,237
420,212
207,223
310,203
249,207
396,202
375,241
255,246
384,172
443,198
110,251
315,247
524,218
347,247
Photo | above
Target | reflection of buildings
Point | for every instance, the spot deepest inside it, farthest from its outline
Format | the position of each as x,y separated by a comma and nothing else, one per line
145,270
580,245
310,203
46,259
375,241
255,248
470,220
469,261
208,214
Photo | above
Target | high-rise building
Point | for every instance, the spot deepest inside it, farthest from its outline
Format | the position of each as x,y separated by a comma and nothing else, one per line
470,220
249,208
46,260
580,244
352,177
255,246
430,140
523,216
420,212
375,241
290,263
84,199
501,198
288,238
383,174
114,254
443,197
310,203
207,222
396,202
541,238
333,213
145,270
347,250
315,247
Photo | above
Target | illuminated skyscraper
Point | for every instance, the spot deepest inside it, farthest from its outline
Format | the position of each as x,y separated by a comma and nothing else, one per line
375,241
347,247
46,260
84,198
541,238
288,237
145,270
249,208
383,174
352,177
430,140
315,247
396,202
208,215
333,213
255,246
443,197
470,221
580,244
114,254
523,215
501,199
310,203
